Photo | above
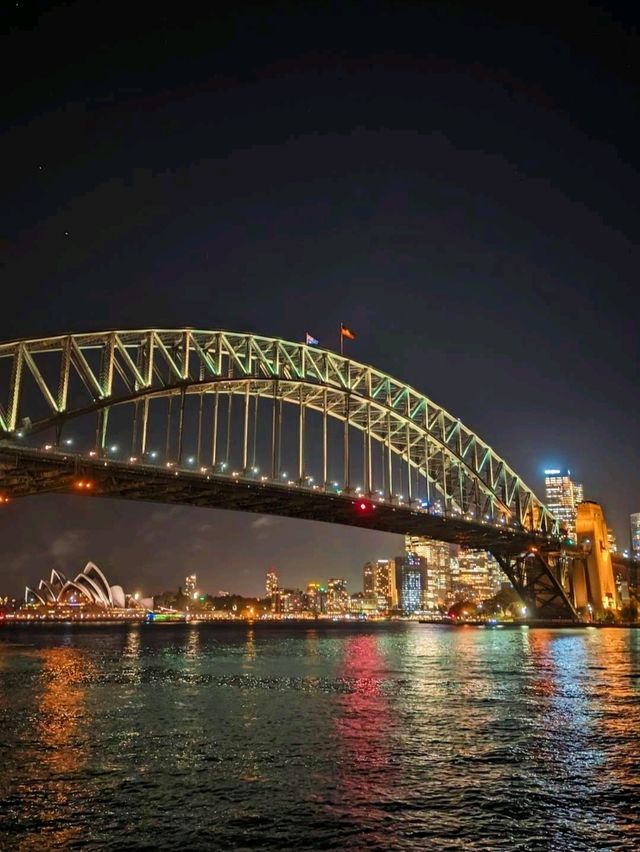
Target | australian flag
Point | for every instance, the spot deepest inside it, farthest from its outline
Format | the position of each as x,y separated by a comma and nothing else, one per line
311,341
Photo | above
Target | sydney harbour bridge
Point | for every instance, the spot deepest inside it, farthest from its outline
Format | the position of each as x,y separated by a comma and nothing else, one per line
258,424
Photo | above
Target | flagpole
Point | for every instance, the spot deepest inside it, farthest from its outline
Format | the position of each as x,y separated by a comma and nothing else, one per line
341,340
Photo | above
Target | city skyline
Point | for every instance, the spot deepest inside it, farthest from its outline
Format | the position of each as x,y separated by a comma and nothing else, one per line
277,279
453,215
91,541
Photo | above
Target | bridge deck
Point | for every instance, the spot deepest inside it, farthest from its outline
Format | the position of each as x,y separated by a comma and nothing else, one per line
28,472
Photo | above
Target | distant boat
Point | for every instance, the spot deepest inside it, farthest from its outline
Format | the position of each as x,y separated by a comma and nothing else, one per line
152,617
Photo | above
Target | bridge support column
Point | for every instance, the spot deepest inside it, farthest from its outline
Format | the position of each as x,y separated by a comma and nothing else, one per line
245,430
346,460
181,425
325,465
536,583
145,422
301,427
214,430
591,528
276,428
101,430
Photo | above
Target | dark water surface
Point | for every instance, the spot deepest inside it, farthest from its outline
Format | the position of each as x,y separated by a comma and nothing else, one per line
397,736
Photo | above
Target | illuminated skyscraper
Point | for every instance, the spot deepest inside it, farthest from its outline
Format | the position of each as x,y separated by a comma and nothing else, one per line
562,495
369,579
635,535
436,565
409,579
316,598
379,584
272,582
337,596
190,582
478,576
385,589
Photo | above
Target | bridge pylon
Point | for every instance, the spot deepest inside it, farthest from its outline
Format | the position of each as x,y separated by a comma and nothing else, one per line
539,580
594,581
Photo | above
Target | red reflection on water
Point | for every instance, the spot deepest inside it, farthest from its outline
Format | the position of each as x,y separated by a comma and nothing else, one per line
364,725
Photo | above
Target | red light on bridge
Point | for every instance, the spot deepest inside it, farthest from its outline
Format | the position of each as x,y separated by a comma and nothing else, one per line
364,506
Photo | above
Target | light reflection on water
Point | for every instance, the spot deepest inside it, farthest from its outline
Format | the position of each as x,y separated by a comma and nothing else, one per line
371,736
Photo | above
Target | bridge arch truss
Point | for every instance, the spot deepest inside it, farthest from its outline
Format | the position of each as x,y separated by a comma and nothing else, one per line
245,405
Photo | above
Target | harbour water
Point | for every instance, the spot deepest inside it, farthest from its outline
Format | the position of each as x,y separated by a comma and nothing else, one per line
275,736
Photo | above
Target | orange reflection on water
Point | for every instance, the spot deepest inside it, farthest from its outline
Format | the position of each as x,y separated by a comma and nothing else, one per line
60,747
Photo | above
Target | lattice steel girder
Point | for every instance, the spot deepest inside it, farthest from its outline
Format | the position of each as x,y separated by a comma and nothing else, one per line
122,366
536,583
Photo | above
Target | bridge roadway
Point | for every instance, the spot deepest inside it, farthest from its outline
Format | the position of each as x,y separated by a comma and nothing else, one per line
27,471
260,403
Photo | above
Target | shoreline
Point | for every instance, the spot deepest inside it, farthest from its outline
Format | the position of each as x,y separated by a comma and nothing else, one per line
310,623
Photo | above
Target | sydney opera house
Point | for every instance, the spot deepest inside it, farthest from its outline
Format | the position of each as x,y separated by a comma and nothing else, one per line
89,588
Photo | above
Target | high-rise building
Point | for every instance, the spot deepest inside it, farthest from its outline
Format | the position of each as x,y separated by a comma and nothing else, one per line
337,596
379,584
409,580
478,576
190,583
635,535
288,601
612,541
316,598
436,563
369,579
272,582
562,495
385,588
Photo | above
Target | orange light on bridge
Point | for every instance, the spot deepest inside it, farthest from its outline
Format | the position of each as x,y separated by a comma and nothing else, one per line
3,499
84,484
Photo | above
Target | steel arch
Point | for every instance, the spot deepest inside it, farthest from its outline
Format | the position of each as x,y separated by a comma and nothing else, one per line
52,380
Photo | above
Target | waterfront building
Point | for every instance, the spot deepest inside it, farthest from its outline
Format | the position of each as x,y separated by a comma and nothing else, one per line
190,582
385,589
272,582
562,495
288,601
369,579
379,583
361,604
635,535
316,598
88,588
337,596
436,563
409,581
478,576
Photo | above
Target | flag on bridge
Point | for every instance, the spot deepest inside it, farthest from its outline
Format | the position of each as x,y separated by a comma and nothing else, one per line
345,332
312,341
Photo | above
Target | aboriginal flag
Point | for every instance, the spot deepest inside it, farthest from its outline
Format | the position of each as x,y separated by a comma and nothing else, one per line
345,332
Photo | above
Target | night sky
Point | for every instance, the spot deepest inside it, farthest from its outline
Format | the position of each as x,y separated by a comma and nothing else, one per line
459,186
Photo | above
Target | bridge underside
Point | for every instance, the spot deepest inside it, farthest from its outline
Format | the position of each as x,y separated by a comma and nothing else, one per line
25,474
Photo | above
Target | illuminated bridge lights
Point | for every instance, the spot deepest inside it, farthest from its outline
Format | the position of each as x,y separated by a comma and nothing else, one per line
219,418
